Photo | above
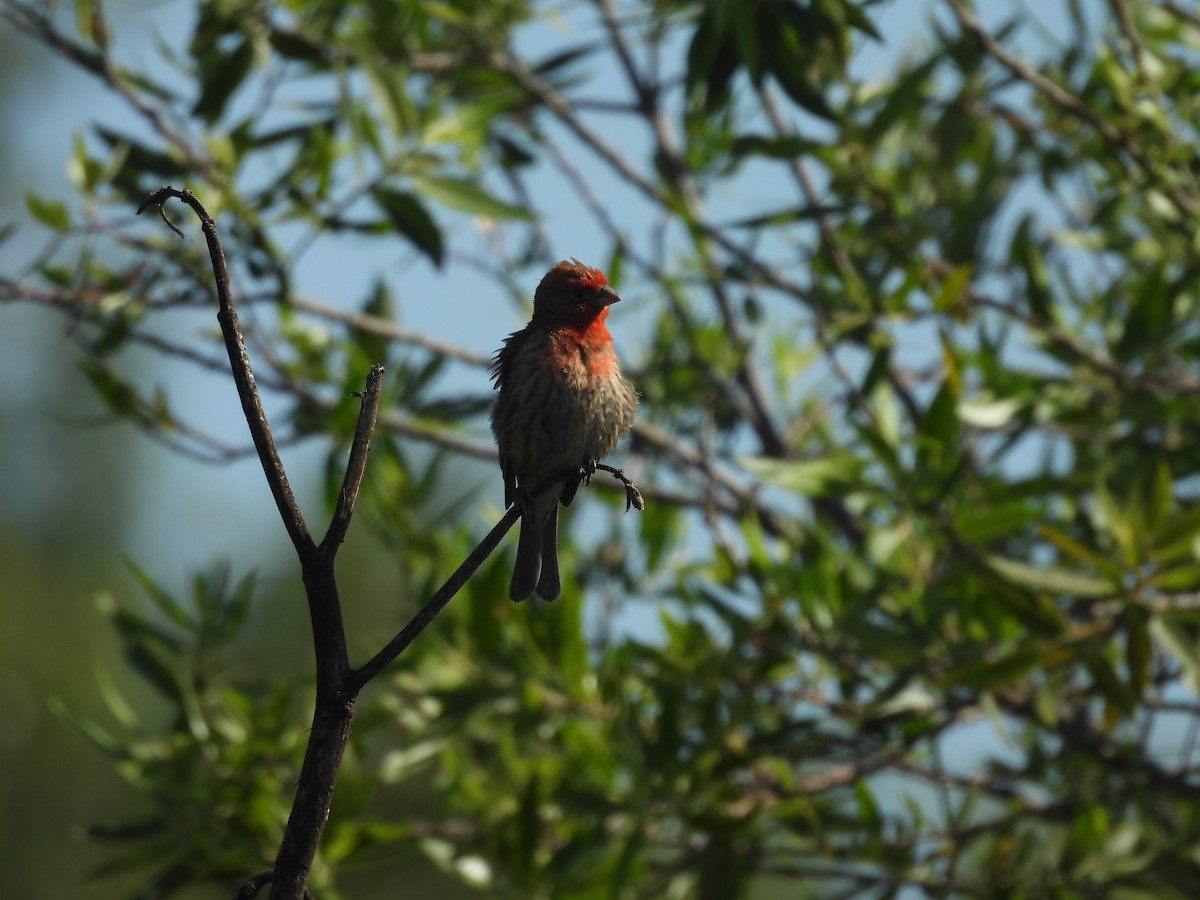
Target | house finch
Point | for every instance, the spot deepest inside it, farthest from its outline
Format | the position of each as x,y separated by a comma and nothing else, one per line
563,404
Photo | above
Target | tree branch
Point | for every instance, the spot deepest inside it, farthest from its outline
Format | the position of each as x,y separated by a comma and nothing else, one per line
243,376
397,645
426,614
334,708
359,449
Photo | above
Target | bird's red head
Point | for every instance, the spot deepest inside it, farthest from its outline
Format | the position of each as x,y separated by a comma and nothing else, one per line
572,294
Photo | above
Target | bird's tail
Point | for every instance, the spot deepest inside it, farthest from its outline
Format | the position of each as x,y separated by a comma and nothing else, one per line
549,585
536,567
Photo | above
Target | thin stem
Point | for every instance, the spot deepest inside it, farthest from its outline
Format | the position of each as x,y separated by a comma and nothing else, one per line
426,614
357,465
243,376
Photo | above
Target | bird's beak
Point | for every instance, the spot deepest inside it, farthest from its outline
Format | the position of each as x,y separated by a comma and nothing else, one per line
605,296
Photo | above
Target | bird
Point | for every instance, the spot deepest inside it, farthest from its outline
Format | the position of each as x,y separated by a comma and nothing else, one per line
561,406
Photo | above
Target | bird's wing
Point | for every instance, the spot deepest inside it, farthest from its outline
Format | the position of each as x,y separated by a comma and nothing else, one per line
502,365
570,486
510,482
502,361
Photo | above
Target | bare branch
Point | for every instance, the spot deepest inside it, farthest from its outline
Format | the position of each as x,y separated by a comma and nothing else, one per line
243,376
357,466
426,614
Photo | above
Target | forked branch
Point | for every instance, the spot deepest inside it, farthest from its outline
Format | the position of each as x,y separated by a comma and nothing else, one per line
338,684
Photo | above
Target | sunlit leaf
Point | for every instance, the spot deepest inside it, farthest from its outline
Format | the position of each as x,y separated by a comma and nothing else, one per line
465,197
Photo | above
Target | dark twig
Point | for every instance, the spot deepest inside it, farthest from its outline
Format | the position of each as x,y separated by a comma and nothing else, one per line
357,466
257,883
254,885
243,376
337,684
426,614
334,708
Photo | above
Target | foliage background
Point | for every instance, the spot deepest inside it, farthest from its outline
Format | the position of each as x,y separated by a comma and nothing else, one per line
911,306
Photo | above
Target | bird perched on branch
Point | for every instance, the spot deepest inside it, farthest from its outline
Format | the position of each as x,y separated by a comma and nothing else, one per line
562,406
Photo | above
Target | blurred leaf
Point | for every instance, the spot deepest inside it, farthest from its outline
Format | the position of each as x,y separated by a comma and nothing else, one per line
221,75
139,158
50,213
295,46
808,476
1138,651
163,601
465,197
1149,316
983,412
1179,645
784,148
1050,578
1026,253
412,219
940,422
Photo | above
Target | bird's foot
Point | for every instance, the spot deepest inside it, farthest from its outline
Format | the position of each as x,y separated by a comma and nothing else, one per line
633,497
587,470
522,502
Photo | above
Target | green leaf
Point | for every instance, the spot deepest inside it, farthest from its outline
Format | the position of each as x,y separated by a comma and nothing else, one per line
118,396
165,603
220,76
983,412
1184,577
711,57
1180,645
1025,252
805,476
1178,533
105,741
790,214
979,523
1138,651
410,217
50,213
563,58
1049,578
293,46
940,422
466,197
904,100
785,148
1067,545
140,159
1149,318
990,674
857,18
951,288
787,43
